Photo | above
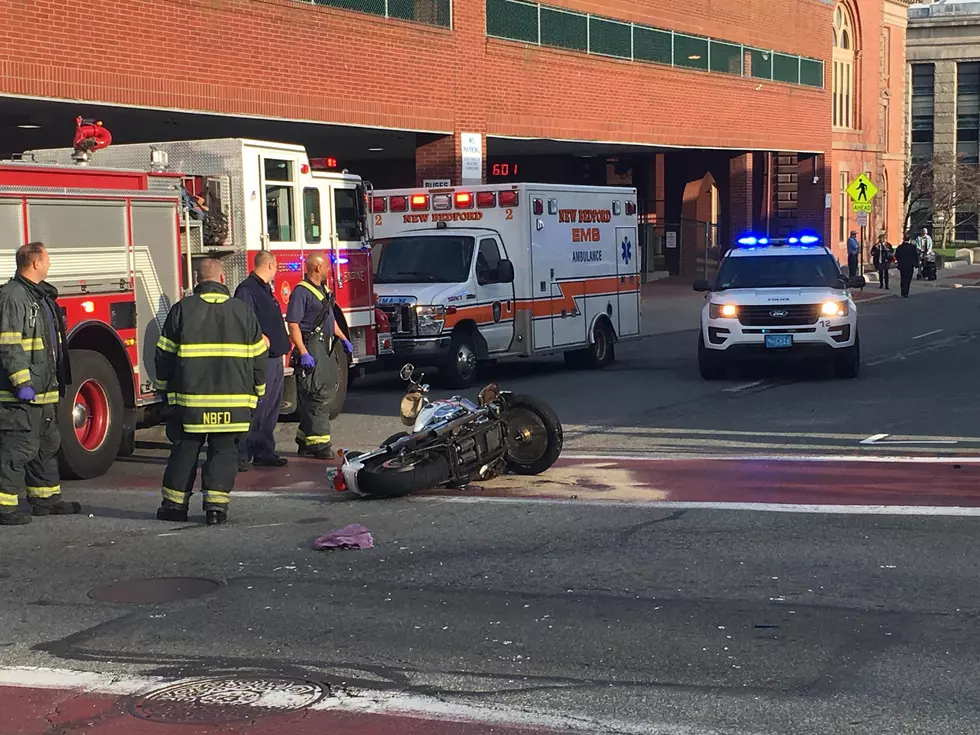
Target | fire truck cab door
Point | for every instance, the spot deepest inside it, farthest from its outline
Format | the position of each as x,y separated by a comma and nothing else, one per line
495,298
279,177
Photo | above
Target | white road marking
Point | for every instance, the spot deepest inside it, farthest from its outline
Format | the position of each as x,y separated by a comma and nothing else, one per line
928,334
880,439
774,458
900,510
737,388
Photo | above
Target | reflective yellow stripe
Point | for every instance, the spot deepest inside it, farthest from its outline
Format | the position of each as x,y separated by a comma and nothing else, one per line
215,428
161,384
42,492
10,338
260,390
30,345
167,345
320,439
21,376
217,349
174,496
216,496
313,289
214,298
6,499
39,399
222,400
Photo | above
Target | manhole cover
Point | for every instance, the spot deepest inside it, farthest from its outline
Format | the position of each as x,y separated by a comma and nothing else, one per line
162,589
227,699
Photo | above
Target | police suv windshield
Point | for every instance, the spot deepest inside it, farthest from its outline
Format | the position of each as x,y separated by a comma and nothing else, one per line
422,259
779,271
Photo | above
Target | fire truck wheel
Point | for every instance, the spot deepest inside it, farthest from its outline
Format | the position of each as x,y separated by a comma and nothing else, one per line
90,417
340,392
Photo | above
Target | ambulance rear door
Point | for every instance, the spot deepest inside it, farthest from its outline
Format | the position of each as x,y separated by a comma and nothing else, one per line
628,270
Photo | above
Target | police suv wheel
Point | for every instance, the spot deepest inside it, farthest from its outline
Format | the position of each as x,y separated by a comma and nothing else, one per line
90,417
710,365
848,364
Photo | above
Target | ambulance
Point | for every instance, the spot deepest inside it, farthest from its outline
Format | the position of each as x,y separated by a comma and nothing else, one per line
478,273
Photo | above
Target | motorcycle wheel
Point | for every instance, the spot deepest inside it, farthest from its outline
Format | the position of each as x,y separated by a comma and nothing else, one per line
534,435
394,476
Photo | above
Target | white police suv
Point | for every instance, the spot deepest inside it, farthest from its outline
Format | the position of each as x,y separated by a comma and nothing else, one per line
779,298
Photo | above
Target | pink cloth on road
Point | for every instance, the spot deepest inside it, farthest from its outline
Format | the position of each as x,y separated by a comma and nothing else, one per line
354,536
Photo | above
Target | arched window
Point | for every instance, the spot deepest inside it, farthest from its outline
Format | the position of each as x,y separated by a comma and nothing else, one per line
843,77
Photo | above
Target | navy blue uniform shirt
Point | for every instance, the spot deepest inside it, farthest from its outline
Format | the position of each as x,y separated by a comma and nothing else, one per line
258,295
304,308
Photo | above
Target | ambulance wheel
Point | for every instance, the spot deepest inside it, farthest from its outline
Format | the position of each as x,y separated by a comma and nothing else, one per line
459,370
90,417
598,354
710,365
340,390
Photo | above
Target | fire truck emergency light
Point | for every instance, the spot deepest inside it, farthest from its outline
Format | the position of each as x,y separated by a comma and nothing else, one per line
464,200
486,199
322,164
398,204
420,202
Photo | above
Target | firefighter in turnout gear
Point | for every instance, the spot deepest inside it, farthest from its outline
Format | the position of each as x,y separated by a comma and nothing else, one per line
211,360
313,329
34,372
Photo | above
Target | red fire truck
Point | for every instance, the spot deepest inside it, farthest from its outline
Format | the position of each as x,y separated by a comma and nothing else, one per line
124,226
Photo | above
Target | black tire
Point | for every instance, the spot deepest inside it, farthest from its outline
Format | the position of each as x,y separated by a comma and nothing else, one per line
711,367
393,438
548,421
460,368
95,388
379,481
340,392
598,354
847,365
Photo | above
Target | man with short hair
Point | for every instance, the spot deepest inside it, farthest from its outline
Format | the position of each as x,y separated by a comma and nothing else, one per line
211,360
257,292
34,372
853,254
312,329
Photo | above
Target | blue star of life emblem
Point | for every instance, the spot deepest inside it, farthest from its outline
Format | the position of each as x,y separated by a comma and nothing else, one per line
627,247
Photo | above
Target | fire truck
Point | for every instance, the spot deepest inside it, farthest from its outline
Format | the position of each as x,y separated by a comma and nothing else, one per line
124,226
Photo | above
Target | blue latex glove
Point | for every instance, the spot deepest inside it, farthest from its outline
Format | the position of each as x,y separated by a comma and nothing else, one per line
25,393
307,361
348,347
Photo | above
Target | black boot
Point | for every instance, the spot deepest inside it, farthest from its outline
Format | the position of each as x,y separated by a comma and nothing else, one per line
58,508
174,515
14,518
215,517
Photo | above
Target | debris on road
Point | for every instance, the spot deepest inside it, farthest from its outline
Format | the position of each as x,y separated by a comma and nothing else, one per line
354,536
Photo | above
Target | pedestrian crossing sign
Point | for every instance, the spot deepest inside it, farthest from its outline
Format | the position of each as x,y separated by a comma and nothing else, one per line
862,190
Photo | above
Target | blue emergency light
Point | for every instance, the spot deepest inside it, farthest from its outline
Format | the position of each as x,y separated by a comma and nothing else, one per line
752,240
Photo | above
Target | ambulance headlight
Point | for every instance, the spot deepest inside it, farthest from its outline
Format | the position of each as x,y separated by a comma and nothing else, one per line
431,319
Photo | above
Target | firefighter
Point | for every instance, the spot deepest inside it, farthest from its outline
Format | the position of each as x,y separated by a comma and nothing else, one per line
211,360
313,329
33,377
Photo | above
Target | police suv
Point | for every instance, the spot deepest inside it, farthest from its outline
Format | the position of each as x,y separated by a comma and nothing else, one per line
776,298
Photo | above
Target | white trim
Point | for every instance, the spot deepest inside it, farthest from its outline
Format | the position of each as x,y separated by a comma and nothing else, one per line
777,458
672,146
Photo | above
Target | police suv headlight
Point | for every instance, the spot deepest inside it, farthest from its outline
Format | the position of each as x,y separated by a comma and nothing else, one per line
431,319
722,311
833,308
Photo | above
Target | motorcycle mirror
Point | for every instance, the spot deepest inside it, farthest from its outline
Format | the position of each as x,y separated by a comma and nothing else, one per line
406,372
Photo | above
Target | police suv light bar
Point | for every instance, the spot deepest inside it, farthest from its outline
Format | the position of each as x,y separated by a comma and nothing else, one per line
792,240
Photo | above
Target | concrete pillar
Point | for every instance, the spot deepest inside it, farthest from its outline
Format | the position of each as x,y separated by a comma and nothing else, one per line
944,142
740,205
441,157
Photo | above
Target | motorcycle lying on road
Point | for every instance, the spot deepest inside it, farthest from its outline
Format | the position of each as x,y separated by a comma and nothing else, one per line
454,442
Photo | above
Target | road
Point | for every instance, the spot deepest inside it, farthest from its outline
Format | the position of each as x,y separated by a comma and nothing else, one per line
772,553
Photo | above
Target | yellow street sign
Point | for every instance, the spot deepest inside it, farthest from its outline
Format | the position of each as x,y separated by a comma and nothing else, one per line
862,190
861,206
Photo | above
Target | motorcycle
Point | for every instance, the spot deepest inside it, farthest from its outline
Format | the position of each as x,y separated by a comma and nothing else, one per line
454,441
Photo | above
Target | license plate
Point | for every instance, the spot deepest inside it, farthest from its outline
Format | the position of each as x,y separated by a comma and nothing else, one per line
777,341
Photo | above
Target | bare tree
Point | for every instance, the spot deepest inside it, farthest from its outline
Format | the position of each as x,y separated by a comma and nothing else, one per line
935,190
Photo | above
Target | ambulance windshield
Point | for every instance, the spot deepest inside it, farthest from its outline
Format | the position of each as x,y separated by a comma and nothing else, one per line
422,259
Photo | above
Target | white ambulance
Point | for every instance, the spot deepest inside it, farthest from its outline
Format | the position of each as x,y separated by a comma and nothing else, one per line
470,274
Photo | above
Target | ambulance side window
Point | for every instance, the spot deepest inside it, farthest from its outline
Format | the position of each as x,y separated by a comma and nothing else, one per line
311,215
279,202
487,260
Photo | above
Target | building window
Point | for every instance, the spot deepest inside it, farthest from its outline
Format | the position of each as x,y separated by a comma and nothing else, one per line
923,94
430,12
882,197
844,46
966,224
842,204
967,111
883,137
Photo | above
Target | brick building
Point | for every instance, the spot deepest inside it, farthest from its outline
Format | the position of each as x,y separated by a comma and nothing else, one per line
720,113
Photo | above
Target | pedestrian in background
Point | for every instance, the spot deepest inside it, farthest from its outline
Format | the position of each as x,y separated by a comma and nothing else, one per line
211,360
882,254
923,243
313,329
34,372
853,254
257,291
907,258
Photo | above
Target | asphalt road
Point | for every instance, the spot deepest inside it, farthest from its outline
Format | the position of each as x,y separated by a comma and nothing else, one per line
573,612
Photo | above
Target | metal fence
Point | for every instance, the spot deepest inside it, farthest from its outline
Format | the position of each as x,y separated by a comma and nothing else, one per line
685,248
517,20
431,12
